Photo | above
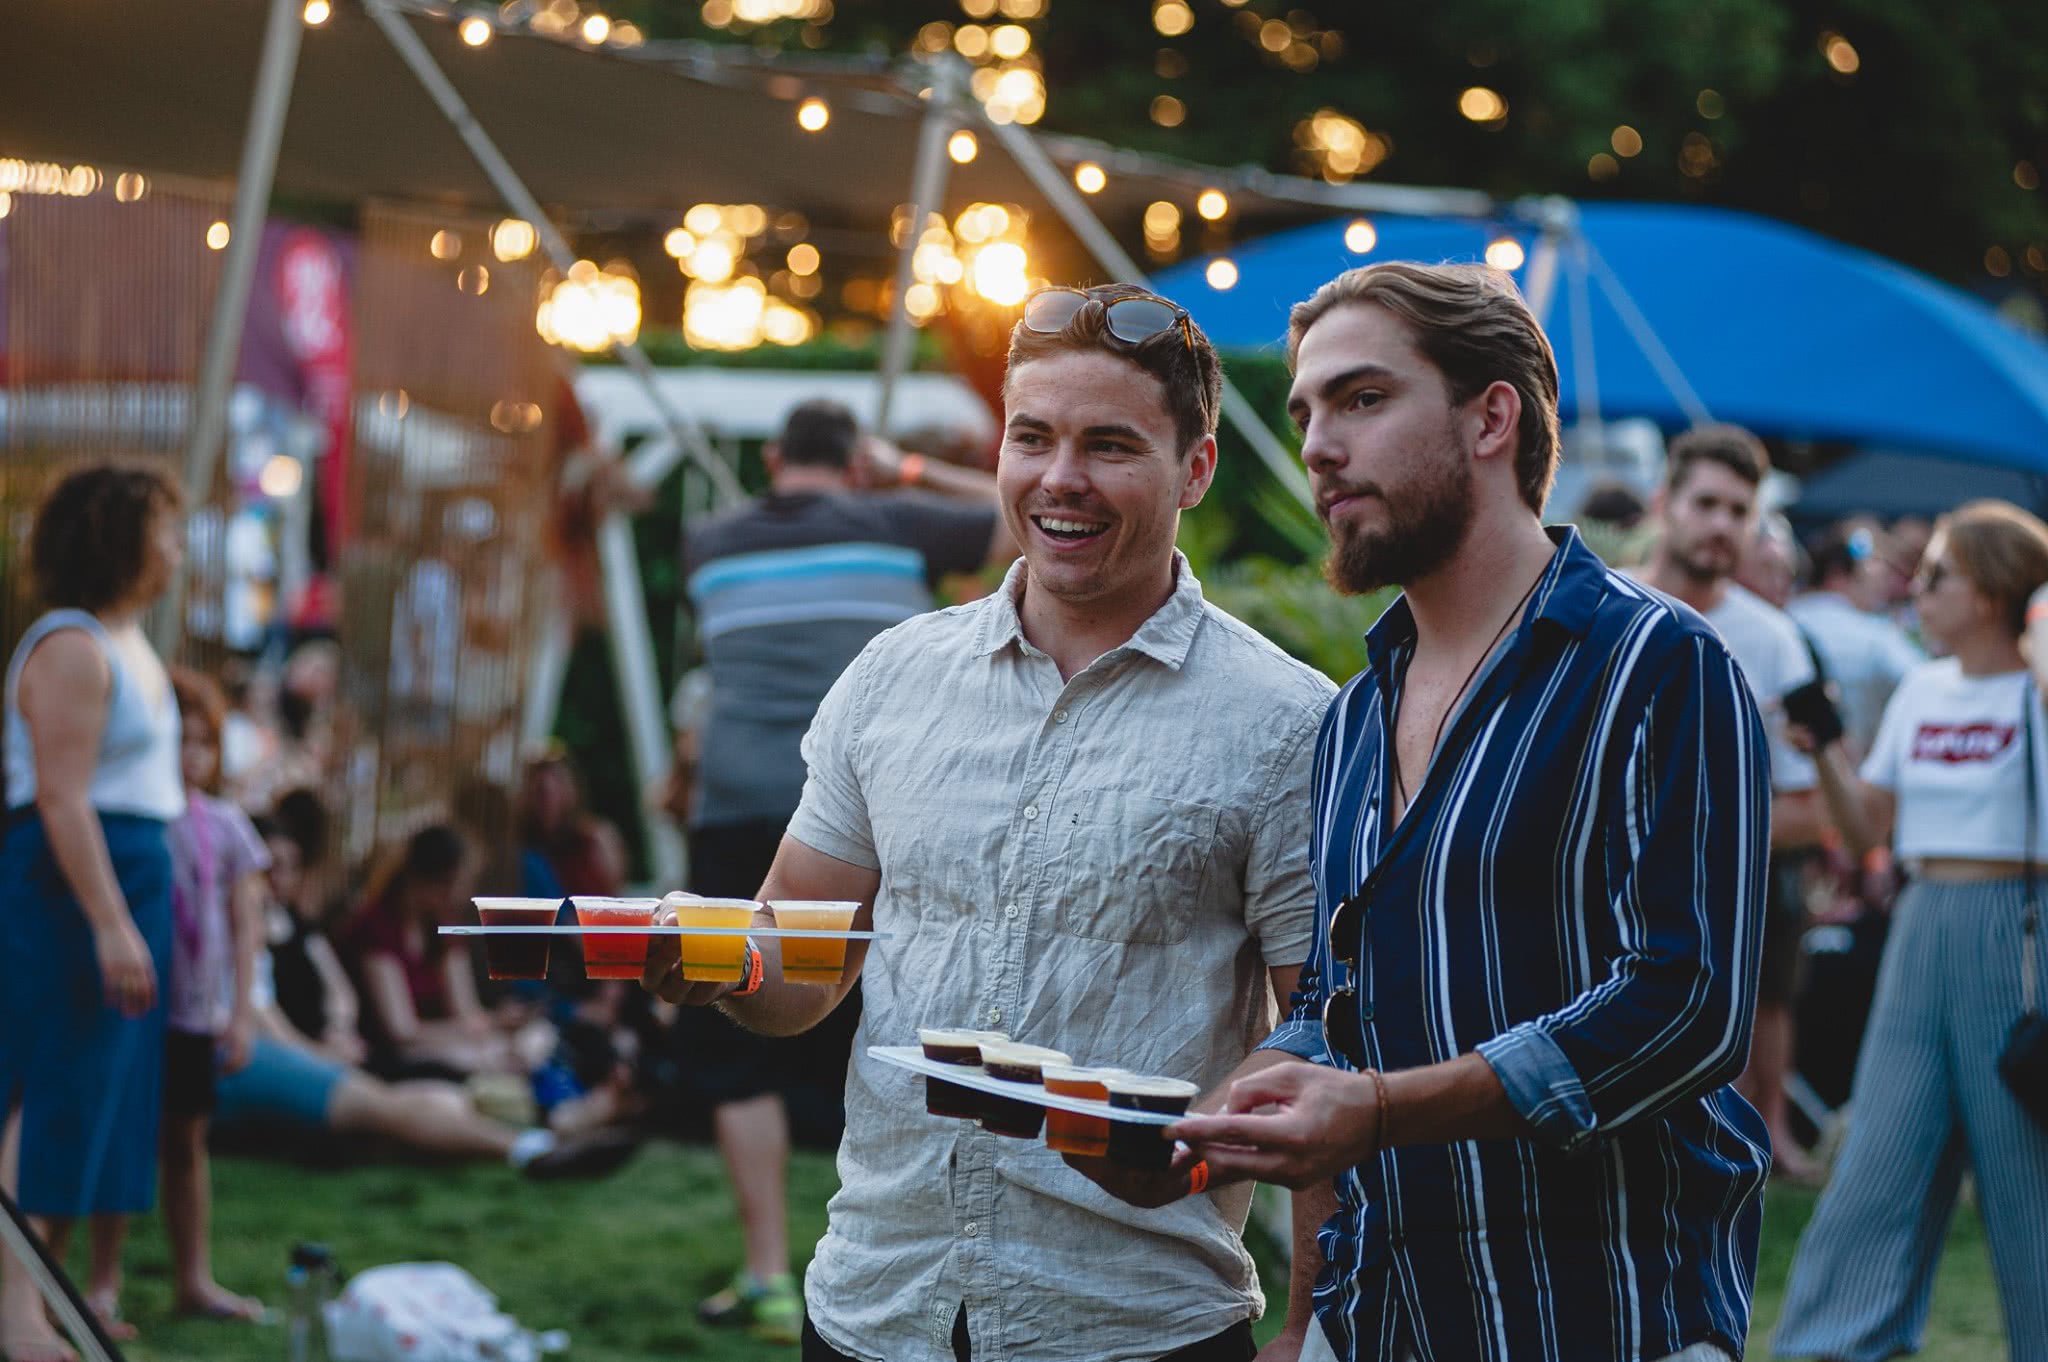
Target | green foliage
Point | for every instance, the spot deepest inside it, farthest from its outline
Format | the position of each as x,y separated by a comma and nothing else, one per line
621,1264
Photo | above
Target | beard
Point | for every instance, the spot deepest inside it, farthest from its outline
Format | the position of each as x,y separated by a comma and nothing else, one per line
1704,561
1426,525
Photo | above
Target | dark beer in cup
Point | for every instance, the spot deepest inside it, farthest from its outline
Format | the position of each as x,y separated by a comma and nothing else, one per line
962,1048
1015,1063
1145,1146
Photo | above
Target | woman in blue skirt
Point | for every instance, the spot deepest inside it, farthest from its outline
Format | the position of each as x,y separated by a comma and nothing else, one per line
92,779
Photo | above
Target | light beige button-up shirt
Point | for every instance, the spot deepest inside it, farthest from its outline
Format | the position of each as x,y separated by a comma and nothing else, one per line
1106,865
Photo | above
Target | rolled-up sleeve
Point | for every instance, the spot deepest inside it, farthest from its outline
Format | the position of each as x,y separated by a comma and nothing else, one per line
1689,831
1279,889
833,815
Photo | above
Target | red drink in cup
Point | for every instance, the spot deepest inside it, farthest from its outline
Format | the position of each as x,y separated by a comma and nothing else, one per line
522,956
606,956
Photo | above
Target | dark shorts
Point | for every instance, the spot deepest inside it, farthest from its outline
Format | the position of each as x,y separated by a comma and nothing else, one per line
722,1061
1784,926
189,1071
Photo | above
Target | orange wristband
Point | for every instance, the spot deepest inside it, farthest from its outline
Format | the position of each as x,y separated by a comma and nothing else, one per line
757,971
1198,1178
910,472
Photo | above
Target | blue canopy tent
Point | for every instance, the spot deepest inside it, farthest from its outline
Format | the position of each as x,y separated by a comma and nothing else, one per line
1682,314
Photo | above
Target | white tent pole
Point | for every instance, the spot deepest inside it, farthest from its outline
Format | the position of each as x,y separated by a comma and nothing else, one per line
554,635
274,72
927,192
513,190
1066,200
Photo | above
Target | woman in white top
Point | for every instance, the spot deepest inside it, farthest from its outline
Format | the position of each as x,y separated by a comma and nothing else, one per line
92,778
1955,780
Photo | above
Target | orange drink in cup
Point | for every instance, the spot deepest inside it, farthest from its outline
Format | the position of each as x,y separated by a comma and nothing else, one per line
813,960
610,956
721,957
1069,1132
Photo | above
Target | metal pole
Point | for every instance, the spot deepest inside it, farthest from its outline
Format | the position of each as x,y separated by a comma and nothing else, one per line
17,1238
275,68
632,643
927,189
1066,200
513,190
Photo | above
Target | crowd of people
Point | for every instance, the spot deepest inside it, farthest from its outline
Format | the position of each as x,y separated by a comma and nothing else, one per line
1494,955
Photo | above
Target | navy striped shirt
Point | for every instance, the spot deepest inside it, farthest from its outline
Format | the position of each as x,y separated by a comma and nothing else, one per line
1576,894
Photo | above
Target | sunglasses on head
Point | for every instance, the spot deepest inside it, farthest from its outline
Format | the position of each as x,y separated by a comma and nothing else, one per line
1132,318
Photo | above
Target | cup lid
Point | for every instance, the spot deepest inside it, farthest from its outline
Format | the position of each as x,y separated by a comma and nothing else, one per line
1013,1052
607,901
822,905
750,905
1147,1085
517,905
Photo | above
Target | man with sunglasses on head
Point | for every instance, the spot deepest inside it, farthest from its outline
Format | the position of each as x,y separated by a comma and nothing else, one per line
1079,807
1541,817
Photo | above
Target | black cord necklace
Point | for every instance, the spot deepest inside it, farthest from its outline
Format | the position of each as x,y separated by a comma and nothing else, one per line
1401,781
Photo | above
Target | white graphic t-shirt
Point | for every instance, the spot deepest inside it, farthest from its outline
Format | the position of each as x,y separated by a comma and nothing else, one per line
1949,747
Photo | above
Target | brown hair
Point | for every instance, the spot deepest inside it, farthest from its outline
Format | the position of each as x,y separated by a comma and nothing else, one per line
1472,324
201,701
1184,362
90,540
1732,447
2002,550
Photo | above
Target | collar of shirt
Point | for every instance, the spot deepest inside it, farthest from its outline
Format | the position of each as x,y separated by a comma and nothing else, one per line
1570,592
1165,637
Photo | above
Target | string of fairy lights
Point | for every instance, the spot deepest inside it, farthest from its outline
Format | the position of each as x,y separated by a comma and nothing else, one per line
754,277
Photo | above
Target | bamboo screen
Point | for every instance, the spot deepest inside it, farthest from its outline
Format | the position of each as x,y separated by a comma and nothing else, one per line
104,304
445,503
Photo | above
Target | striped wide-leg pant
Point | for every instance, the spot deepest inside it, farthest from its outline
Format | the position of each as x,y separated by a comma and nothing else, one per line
1927,1103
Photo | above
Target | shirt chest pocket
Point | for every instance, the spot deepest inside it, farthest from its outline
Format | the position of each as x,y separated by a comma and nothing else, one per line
1131,866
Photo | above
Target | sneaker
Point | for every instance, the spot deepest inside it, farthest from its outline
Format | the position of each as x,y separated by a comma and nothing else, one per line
772,1310
584,1156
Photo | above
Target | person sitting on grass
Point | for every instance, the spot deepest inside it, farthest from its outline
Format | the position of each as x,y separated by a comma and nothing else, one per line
217,865
303,1078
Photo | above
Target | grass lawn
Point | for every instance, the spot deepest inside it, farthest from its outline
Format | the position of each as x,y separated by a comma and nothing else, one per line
620,1264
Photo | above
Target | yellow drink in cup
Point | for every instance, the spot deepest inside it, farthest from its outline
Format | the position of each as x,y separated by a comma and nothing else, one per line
813,960
719,958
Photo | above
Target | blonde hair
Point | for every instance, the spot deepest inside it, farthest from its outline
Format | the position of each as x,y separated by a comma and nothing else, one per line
1472,324
2002,549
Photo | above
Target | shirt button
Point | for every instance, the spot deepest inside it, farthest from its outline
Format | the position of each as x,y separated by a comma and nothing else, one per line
1030,811
1010,911
995,1014
971,1229
1060,717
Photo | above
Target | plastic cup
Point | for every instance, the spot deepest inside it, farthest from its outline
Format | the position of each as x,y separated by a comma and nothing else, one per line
516,957
962,1049
813,960
720,958
1067,1131
1145,1146
614,957
1013,1116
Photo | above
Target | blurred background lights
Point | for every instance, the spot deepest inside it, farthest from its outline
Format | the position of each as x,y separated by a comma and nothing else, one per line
1221,274
281,477
1481,105
1505,253
596,29
962,147
317,12
1360,237
1000,273
813,114
217,236
803,259
475,30
1089,178
1172,18
1212,204
591,310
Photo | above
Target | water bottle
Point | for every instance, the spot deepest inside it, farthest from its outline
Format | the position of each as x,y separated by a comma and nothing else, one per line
310,1282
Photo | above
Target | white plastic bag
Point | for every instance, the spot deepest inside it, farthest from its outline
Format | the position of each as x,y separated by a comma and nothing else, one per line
427,1312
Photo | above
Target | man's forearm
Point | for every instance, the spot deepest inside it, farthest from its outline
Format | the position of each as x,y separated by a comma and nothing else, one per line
1313,1207
1461,1099
781,1008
